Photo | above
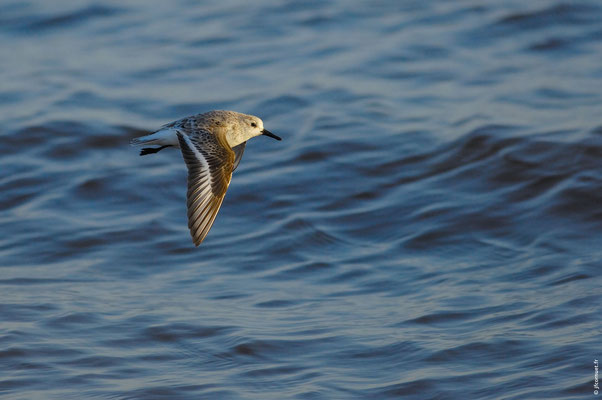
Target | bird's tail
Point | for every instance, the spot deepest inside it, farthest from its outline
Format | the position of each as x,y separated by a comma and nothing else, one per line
161,138
147,140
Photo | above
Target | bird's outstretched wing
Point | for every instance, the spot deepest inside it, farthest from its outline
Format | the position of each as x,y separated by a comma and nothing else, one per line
238,150
210,164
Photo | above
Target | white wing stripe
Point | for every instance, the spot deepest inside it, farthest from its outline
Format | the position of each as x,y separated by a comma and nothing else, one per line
199,156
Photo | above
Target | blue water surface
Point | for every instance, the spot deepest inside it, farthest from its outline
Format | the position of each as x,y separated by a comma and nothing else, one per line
430,227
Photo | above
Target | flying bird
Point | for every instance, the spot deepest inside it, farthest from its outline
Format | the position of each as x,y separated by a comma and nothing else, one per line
212,145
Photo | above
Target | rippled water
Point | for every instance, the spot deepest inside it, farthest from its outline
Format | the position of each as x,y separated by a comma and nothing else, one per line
429,228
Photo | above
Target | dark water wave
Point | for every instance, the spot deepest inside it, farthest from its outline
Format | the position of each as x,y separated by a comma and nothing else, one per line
429,228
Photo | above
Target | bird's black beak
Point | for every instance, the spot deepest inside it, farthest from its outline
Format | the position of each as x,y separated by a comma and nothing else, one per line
270,134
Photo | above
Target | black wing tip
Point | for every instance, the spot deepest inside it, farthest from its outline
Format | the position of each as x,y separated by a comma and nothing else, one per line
197,242
196,239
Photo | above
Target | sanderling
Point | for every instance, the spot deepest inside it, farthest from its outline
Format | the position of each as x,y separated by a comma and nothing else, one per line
212,145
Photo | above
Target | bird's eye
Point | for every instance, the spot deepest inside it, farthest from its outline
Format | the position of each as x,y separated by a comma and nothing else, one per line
253,124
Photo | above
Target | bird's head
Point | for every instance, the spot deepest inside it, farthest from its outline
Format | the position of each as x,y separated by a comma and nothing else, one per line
253,126
245,128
